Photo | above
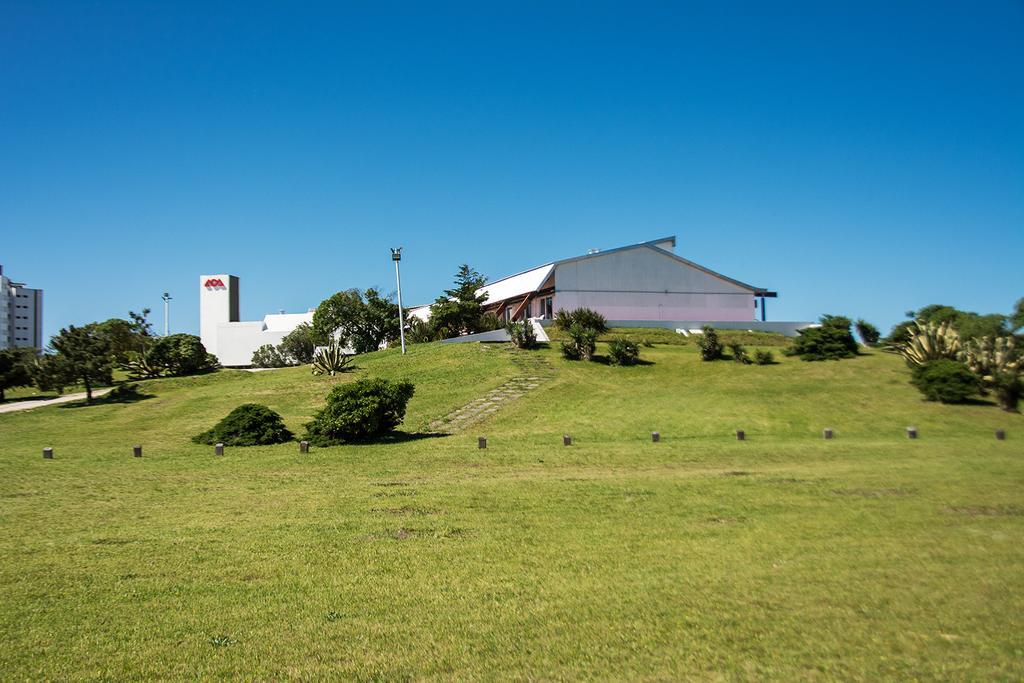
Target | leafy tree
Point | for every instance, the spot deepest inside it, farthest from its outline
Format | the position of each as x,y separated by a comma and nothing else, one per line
127,337
521,334
14,369
968,324
460,310
1017,317
181,354
268,356
362,320
299,344
831,341
81,354
867,332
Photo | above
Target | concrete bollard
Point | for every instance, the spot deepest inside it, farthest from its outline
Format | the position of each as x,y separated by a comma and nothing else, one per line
827,433
1000,435
655,437
911,432
137,451
741,435
218,449
303,447
48,453
566,440
481,442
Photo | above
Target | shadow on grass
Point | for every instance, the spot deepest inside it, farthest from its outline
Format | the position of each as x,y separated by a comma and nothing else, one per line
605,360
123,393
399,437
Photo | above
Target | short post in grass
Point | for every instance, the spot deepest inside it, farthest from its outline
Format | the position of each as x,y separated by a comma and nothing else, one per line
481,442
741,435
218,449
1000,435
827,433
566,440
303,447
137,451
48,453
655,437
911,432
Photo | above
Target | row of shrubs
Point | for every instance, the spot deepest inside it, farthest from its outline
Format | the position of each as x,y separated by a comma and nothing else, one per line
358,411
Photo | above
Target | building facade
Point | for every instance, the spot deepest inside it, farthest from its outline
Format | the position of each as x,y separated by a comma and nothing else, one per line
222,332
21,315
645,282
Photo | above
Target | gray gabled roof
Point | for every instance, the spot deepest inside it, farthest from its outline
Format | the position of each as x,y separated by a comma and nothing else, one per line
529,285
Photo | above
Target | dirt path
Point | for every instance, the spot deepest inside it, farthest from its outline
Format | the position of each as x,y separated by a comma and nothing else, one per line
533,371
29,405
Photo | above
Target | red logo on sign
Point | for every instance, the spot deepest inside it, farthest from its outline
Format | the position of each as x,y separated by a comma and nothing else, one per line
214,282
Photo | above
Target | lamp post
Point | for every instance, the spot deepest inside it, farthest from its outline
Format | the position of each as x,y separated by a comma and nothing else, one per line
167,313
396,256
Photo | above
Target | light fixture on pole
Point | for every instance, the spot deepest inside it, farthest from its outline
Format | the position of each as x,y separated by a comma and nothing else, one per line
396,256
167,313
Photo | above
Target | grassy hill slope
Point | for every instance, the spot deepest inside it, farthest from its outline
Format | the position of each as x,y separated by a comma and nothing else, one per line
783,557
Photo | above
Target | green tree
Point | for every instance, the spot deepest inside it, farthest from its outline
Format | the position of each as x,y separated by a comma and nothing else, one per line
14,369
1017,317
81,354
361,320
460,310
299,344
180,355
867,332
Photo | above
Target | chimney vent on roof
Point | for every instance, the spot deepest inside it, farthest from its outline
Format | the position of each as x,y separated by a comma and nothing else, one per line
593,251
281,311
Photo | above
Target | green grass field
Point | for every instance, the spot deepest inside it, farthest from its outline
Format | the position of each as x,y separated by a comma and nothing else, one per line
700,557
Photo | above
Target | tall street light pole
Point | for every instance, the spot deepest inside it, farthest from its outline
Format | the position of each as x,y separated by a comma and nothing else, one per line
396,256
167,313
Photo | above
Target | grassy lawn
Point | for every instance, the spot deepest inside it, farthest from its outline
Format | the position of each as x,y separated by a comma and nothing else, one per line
782,557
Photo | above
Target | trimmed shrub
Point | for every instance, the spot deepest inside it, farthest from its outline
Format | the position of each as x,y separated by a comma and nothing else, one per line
268,356
763,357
946,381
739,354
710,347
362,410
521,334
831,341
623,352
249,424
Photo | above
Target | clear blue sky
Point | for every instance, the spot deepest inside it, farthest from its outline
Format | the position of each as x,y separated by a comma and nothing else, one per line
860,158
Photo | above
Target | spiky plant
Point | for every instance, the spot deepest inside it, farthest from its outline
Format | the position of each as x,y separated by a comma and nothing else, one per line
330,360
930,341
997,361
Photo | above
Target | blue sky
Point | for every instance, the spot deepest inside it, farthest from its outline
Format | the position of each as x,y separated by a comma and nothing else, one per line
860,158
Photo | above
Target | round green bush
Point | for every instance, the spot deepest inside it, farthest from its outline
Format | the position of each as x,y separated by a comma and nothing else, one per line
360,411
946,381
249,424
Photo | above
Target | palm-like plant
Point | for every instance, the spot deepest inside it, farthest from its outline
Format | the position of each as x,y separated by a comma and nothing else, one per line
930,341
330,359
